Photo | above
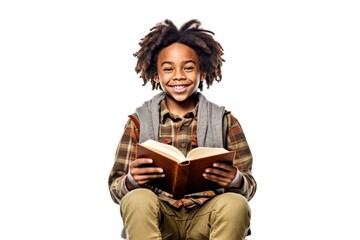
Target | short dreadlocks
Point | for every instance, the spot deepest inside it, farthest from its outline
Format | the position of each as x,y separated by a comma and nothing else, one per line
166,33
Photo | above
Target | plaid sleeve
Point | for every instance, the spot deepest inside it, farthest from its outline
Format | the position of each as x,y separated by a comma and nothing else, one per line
125,153
236,141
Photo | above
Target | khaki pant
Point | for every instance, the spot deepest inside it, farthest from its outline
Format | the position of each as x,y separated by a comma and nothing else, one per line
226,216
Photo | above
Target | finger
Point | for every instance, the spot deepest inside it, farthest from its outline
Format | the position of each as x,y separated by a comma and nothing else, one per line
225,166
143,179
214,178
140,161
145,170
222,181
217,174
218,171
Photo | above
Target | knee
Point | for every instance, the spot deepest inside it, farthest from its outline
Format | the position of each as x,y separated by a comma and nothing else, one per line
233,205
139,198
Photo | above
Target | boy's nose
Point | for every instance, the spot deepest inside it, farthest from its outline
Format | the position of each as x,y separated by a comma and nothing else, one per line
179,75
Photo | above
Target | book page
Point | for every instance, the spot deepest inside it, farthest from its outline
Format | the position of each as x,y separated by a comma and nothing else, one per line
166,149
204,152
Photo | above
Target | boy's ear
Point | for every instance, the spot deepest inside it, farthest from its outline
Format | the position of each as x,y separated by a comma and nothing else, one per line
202,76
156,78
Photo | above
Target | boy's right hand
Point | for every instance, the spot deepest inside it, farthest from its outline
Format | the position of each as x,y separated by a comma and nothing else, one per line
142,172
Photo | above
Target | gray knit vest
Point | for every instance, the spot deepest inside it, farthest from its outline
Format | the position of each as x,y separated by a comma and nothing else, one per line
210,121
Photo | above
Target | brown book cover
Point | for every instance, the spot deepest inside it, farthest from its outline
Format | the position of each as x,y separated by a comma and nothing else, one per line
183,175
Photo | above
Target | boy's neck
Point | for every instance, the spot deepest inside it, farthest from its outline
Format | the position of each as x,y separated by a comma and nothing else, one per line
181,108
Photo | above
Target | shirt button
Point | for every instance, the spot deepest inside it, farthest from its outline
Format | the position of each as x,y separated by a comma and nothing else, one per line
183,145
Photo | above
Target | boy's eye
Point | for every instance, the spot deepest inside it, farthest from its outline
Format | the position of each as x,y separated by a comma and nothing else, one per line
188,68
167,69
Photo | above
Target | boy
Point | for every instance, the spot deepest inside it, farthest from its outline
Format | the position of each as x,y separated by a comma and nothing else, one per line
178,61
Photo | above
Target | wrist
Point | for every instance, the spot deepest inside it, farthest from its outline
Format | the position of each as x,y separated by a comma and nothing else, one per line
130,182
238,180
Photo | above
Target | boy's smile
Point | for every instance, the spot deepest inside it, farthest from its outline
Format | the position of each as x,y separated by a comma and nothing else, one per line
179,88
178,72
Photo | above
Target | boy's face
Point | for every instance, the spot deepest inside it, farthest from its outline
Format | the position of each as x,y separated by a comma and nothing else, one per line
178,69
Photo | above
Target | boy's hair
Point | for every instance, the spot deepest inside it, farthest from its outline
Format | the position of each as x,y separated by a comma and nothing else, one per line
166,33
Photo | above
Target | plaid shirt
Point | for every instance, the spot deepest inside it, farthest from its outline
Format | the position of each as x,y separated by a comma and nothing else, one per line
181,133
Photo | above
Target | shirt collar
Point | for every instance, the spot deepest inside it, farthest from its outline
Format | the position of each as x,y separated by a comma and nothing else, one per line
165,113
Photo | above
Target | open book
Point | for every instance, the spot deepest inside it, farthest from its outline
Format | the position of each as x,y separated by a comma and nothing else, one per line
183,174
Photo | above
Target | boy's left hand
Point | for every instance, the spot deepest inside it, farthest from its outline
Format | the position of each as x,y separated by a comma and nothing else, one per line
221,173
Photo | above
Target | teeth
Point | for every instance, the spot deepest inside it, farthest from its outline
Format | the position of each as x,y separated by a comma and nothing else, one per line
179,87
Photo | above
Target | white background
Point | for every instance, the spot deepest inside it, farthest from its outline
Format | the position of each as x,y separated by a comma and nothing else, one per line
68,83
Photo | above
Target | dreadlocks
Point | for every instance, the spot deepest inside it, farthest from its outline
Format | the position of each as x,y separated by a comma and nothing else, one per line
166,33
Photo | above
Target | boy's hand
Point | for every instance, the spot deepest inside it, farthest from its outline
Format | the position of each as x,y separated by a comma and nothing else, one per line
221,173
143,174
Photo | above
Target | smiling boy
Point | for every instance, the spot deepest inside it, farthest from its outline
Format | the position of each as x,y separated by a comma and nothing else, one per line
179,61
